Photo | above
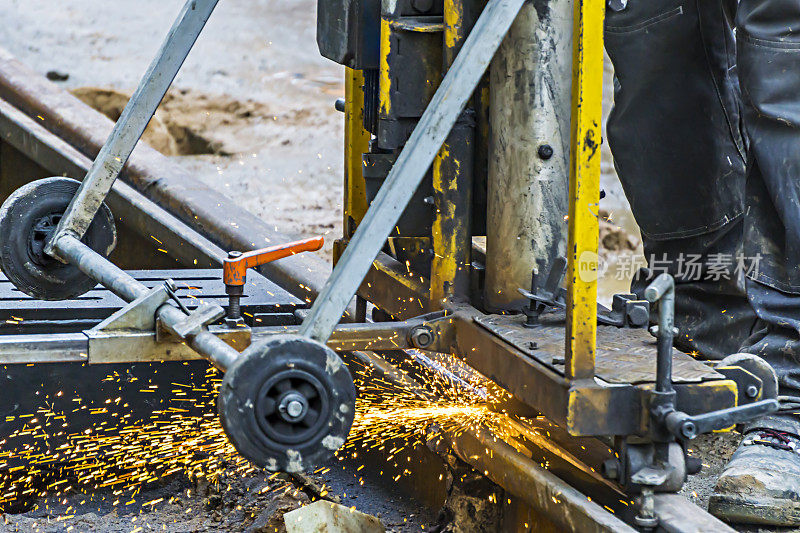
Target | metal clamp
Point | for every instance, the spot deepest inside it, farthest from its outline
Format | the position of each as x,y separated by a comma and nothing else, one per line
662,405
234,268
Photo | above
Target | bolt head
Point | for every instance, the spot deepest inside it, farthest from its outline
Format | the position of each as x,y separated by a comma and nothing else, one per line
234,254
610,469
294,408
421,337
545,151
751,391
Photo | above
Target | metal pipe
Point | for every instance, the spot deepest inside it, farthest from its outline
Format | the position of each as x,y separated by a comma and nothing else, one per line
527,188
131,124
100,269
662,290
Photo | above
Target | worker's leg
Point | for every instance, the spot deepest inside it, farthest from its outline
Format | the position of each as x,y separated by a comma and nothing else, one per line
675,135
762,481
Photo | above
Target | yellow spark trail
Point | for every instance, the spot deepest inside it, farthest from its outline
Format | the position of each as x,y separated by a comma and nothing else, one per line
128,456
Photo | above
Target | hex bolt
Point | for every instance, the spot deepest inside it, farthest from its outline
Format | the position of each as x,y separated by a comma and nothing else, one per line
421,337
638,316
545,151
751,391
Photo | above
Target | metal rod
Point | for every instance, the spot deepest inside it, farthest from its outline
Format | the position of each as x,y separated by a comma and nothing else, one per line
131,124
662,290
100,269
410,167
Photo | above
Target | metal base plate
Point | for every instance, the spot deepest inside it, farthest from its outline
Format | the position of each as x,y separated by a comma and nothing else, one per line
263,303
624,355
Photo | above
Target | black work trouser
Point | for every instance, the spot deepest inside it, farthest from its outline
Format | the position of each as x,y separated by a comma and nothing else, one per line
705,133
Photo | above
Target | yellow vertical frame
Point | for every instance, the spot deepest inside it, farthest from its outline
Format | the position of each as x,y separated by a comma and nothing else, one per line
448,253
356,143
584,185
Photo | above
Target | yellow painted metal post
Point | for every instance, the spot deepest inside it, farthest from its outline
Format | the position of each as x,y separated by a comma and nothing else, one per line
584,188
451,234
356,143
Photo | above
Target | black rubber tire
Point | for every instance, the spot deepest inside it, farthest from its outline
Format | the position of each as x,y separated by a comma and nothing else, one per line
21,218
245,384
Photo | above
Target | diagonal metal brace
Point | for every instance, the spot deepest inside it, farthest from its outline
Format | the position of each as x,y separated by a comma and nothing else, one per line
413,162
132,123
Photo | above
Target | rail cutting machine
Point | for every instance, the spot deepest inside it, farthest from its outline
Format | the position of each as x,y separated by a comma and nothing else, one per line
472,144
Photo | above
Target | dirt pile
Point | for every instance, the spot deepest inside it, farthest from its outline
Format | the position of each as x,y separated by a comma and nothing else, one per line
614,238
187,122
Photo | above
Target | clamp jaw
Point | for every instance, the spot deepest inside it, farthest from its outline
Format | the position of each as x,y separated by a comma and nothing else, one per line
234,269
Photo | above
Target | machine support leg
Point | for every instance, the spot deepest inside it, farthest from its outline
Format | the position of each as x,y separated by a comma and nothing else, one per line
584,189
527,187
412,164
133,121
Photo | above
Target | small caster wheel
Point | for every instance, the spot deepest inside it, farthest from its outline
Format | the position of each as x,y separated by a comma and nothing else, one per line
287,404
27,220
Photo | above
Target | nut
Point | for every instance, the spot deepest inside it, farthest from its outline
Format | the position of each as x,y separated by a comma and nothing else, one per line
421,337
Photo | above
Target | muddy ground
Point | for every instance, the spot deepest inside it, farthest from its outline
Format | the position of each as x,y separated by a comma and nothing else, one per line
251,113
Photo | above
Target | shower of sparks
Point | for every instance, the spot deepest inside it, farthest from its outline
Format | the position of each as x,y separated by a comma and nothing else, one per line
124,455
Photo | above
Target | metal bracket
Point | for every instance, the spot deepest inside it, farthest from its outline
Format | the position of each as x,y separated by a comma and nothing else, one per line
139,314
192,324
626,312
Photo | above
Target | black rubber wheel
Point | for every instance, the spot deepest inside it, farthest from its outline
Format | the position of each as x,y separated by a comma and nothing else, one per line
287,404
27,220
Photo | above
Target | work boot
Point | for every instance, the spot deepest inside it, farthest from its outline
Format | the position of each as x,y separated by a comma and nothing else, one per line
761,483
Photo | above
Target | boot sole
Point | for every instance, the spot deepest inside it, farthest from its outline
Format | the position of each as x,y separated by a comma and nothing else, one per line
764,510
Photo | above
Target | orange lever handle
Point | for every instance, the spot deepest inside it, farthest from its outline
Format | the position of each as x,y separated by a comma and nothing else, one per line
234,267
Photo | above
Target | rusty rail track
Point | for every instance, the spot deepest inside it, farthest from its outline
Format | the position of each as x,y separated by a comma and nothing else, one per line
54,132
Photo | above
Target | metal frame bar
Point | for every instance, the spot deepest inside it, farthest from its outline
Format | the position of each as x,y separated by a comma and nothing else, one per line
451,231
356,142
584,190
